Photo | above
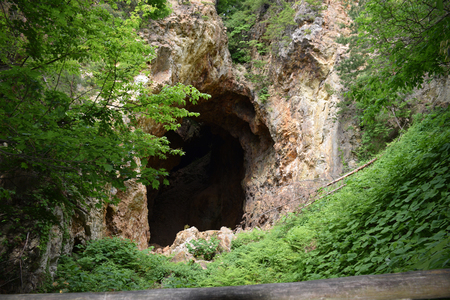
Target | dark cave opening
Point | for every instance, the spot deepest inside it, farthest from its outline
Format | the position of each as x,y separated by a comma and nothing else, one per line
205,188
77,245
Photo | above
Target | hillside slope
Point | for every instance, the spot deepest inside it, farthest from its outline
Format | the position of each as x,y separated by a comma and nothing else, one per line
392,217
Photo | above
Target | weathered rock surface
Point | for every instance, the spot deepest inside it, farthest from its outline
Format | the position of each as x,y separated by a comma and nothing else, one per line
310,141
179,248
87,224
33,258
290,143
129,219
192,47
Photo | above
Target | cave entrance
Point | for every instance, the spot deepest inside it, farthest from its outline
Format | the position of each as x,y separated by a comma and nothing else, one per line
205,188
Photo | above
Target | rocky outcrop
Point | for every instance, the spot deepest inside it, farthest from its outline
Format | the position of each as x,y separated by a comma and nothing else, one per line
179,251
248,159
86,224
129,218
310,142
292,142
191,47
30,257
259,158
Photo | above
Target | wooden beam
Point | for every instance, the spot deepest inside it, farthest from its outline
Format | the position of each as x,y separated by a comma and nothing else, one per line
352,172
327,194
432,284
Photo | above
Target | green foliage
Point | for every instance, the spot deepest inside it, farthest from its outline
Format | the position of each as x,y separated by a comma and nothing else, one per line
260,47
301,238
395,48
266,261
204,248
225,7
411,45
377,134
240,17
115,264
263,95
391,217
71,110
281,17
259,80
69,103
110,264
398,213
329,89
183,275
316,5
245,238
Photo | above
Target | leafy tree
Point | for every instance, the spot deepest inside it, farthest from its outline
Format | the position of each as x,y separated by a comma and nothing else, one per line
280,18
69,103
225,7
396,47
239,19
408,36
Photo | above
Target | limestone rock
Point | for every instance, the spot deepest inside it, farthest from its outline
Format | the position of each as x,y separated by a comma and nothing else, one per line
225,236
192,46
86,224
180,250
184,237
293,142
129,219
180,257
33,258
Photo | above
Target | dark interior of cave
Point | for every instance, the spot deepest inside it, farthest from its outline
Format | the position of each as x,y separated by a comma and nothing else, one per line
205,188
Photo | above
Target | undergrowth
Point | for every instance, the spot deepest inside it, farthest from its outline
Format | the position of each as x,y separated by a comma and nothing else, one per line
391,217
114,264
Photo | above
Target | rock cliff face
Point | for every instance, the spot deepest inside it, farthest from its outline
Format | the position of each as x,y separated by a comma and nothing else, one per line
280,148
248,159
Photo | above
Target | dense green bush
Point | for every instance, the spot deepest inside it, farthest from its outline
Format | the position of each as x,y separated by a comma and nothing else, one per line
111,264
395,47
185,275
203,248
266,261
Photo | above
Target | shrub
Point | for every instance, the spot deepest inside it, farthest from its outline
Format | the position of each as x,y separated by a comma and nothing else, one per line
248,237
204,248
183,275
109,264
263,95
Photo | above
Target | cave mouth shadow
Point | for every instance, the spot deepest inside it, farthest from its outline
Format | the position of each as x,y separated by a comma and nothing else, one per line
205,187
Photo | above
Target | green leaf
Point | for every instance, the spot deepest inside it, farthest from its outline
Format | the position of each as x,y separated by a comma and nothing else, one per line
108,167
421,228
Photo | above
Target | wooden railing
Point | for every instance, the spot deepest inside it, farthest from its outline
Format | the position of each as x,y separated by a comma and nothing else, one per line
434,284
